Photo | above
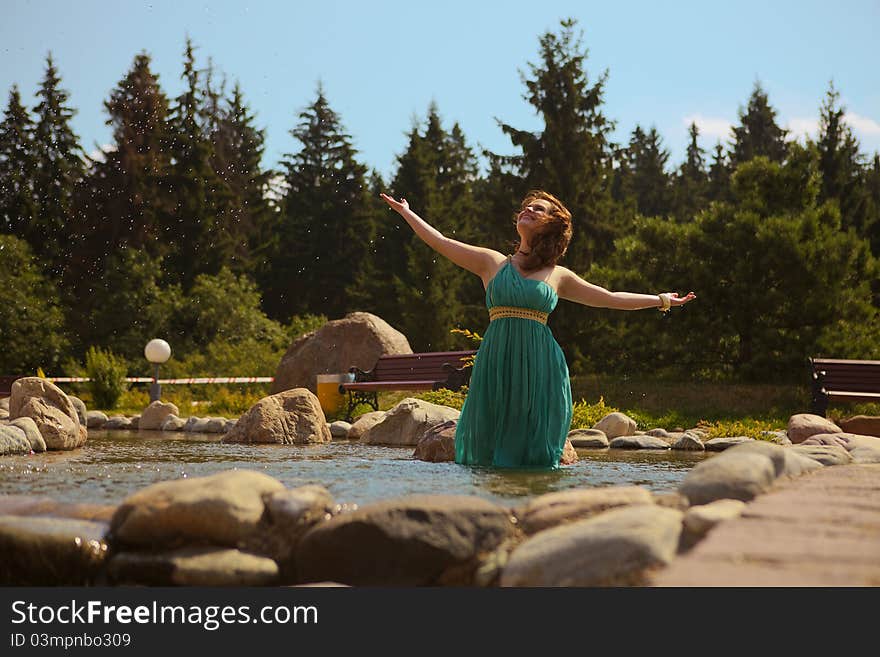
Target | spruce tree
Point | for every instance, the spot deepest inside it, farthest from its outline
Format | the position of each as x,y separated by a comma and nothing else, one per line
691,183
59,171
327,223
649,183
436,175
758,133
841,165
245,217
191,223
571,156
17,166
719,175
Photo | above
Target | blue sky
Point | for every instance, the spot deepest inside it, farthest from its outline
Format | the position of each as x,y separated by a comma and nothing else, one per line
382,63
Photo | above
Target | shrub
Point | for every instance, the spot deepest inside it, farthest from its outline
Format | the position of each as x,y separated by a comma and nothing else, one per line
445,397
585,415
107,373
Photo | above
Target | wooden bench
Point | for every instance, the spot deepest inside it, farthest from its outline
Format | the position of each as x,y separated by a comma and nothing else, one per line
843,380
425,371
6,384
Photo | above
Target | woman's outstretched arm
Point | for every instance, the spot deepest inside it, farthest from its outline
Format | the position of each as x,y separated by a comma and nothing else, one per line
478,260
574,288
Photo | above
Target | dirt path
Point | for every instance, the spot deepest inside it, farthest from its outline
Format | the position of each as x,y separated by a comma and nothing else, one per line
821,529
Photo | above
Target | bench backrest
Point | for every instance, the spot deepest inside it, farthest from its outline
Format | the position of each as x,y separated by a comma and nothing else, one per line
418,367
848,375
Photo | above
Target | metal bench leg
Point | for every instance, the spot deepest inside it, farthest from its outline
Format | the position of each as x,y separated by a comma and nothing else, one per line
819,404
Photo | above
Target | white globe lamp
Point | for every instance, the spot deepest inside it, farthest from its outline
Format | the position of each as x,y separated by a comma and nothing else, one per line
157,352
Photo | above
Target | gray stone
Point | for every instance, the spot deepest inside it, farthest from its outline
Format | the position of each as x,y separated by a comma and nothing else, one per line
728,476
418,540
339,429
804,425
13,440
215,425
95,419
50,551
824,454
290,514
134,422
725,442
364,423
569,505
638,442
614,548
698,520
438,443
195,424
615,425
33,435
786,461
778,437
117,422
172,423
4,403
192,566
407,422
222,509
291,417
689,442
658,432
588,438
81,410
154,415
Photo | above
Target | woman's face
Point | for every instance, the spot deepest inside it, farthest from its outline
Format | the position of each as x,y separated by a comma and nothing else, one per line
532,215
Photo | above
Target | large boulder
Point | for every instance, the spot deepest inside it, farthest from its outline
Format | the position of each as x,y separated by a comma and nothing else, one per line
357,340
290,417
51,409
223,509
615,425
589,438
730,475
154,415
863,425
437,444
418,540
407,422
13,440
804,425
614,548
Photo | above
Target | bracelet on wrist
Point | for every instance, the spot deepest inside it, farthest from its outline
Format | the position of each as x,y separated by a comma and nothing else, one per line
665,302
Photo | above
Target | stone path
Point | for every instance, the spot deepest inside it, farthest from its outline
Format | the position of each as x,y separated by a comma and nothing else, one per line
820,529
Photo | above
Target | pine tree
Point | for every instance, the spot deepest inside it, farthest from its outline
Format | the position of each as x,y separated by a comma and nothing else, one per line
649,182
17,166
193,187
758,133
719,175
691,183
326,227
570,157
841,165
436,175
245,216
59,171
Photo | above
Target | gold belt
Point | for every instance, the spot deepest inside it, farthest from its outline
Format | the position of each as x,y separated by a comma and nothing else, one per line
512,311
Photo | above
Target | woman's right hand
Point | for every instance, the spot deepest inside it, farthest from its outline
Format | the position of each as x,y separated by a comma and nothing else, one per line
398,206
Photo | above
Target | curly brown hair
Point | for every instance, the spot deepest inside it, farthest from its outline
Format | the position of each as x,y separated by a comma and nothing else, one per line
553,234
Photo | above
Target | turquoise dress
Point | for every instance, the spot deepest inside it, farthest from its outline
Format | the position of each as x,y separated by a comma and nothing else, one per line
518,408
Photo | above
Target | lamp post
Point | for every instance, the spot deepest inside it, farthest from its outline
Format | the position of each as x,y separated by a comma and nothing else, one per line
157,352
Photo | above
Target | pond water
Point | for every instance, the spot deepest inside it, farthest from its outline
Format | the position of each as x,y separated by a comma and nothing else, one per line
114,464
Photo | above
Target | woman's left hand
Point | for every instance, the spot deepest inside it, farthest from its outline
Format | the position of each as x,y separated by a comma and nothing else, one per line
675,300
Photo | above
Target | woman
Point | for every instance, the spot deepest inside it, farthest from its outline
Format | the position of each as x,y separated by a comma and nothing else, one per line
518,409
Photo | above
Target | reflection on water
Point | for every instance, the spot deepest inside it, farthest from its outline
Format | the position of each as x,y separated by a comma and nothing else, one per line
114,464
